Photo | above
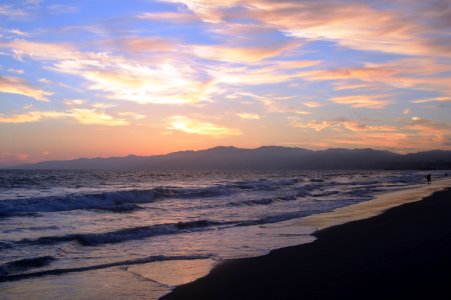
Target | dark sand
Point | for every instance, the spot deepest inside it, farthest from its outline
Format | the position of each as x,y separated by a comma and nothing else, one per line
405,253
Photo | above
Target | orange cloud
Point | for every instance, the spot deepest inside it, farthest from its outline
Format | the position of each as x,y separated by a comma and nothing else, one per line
395,30
74,102
423,134
15,85
31,117
421,74
240,54
193,126
342,124
340,86
82,115
248,116
132,115
313,104
434,99
365,101
92,117
141,44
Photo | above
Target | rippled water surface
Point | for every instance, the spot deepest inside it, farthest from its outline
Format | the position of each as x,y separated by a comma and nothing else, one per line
83,221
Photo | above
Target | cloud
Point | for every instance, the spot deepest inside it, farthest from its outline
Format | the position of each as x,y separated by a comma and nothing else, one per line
315,125
74,102
166,81
193,126
11,12
9,159
420,74
174,17
82,115
402,29
404,135
241,54
16,71
141,44
340,86
93,117
434,99
50,82
103,105
248,116
362,101
15,85
132,115
31,117
342,124
62,9
172,77
313,104
10,33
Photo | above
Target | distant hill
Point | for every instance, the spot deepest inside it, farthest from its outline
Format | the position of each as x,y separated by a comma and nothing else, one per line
267,157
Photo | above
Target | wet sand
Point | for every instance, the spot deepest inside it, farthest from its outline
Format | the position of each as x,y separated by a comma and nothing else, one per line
403,253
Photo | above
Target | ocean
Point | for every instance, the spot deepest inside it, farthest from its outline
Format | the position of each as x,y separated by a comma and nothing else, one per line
137,234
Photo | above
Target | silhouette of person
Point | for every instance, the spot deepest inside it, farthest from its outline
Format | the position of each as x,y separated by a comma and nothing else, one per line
428,178
446,174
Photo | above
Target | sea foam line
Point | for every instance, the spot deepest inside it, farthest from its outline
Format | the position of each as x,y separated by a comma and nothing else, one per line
144,260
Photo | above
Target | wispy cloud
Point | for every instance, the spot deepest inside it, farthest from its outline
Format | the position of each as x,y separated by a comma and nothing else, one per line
434,99
241,54
81,115
166,82
74,102
132,115
194,126
12,12
393,29
62,9
93,117
342,124
31,117
363,101
16,85
175,17
403,135
248,116
313,104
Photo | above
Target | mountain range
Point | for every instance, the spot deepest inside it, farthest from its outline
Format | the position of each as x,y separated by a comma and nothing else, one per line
266,157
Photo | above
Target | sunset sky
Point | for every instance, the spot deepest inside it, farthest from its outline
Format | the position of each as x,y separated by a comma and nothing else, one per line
111,78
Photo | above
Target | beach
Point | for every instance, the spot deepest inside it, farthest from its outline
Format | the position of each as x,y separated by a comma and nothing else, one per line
402,253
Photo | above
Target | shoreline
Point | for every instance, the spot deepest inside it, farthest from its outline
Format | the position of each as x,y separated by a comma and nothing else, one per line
357,248
374,207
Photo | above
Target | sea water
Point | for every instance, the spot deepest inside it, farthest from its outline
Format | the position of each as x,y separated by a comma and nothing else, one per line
137,234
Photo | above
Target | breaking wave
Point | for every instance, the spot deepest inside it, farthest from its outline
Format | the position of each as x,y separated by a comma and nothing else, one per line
128,200
149,259
127,234
25,264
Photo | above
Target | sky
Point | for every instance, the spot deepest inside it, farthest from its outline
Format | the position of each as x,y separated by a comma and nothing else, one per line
98,78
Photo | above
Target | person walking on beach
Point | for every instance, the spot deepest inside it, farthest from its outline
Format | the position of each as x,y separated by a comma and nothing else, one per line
428,178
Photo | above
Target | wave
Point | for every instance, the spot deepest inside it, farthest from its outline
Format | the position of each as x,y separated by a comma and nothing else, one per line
266,201
135,233
107,201
25,264
144,260
128,200
142,232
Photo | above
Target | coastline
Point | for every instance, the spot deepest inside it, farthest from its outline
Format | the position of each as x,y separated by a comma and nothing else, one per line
374,207
394,245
